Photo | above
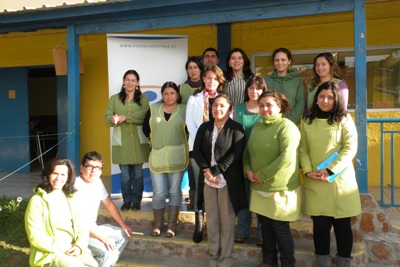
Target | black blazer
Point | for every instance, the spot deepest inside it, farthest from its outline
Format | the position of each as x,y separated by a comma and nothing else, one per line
228,153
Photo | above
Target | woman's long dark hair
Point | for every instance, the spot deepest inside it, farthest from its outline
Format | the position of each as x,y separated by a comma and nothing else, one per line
137,93
69,187
335,71
196,61
172,85
338,111
247,73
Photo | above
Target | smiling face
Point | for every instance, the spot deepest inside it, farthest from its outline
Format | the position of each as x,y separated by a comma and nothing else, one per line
281,63
236,62
130,82
326,100
221,109
193,71
268,106
58,177
169,96
210,80
254,92
323,68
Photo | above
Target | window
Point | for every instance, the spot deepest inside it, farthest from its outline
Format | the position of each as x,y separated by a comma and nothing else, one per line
383,72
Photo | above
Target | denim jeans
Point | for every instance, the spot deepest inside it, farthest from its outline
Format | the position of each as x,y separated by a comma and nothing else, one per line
104,257
244,217
132,184
277,237
166,184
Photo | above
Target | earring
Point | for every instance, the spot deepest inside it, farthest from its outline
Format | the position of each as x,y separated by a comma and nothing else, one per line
137,87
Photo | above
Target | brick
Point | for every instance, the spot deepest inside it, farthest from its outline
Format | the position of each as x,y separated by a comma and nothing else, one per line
385,227
357,237
381,217
367,223
380,251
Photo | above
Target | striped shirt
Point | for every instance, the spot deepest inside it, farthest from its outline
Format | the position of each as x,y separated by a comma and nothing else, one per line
235,90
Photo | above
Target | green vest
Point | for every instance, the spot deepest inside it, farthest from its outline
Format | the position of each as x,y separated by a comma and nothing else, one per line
169,147
186,92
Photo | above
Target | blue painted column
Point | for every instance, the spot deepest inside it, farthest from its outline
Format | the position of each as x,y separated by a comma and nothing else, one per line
73,141
224,43
360,67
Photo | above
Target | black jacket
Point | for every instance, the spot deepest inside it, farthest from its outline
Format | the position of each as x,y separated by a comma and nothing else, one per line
228,153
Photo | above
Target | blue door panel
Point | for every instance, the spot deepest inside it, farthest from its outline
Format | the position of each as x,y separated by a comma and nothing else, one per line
14,121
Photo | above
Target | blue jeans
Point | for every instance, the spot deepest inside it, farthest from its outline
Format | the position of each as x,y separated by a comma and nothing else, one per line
132,184
167,184
244,217
104,257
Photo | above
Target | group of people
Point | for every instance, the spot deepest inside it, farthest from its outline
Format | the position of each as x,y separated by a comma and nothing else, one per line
244,140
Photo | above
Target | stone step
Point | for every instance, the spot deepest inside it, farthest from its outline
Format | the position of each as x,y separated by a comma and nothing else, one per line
145,250
143,220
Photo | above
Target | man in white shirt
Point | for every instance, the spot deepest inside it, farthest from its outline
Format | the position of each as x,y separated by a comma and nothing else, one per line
106,241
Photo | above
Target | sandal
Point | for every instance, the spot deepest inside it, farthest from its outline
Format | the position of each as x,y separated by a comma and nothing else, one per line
240,238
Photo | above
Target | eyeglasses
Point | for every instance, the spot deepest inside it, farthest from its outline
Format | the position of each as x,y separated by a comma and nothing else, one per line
95,168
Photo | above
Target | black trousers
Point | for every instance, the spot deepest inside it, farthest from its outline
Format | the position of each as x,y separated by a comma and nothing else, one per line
276,237
322,226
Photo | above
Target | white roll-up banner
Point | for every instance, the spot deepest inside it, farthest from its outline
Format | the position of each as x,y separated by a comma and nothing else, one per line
157,58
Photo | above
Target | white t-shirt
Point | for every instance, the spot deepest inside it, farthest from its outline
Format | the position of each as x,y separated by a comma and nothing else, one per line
92,194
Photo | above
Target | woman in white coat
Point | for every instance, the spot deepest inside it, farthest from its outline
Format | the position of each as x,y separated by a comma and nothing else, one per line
198,110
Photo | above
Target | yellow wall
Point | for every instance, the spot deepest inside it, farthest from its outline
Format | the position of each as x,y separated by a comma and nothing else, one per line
299,33
94,93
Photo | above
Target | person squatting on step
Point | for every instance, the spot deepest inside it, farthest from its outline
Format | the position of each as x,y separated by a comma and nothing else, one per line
106,241
54,221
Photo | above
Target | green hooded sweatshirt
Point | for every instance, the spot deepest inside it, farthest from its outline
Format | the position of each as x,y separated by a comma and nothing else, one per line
292,87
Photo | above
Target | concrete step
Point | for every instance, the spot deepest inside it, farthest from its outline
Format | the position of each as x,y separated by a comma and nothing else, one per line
145,250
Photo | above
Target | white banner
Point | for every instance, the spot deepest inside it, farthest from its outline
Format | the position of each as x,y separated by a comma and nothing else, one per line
157,59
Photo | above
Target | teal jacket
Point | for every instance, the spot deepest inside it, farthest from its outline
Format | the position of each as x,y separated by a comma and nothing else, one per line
292,87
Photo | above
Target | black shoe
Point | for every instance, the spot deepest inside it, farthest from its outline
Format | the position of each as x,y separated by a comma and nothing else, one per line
136,206
126,206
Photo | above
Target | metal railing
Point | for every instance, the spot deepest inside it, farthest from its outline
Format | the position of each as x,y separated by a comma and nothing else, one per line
391,133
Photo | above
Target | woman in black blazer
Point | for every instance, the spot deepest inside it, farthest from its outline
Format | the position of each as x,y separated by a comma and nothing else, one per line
218,150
